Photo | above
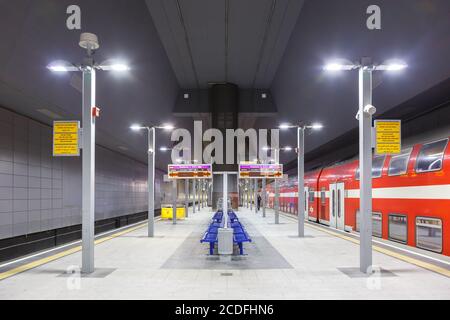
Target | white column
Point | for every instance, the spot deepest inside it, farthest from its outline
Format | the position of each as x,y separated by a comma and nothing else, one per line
365,169
186,196
225,200
151,182
198,195
194,181
250,189
277,203
301,180
88,172
202,186
174,201
264,197
255,195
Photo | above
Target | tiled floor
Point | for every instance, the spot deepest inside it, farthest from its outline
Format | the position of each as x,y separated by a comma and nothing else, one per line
144,268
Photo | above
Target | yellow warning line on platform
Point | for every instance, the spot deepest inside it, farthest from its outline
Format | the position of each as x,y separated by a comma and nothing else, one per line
62,254
414,261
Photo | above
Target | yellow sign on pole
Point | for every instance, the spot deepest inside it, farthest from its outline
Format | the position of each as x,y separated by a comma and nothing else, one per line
388,137
65,138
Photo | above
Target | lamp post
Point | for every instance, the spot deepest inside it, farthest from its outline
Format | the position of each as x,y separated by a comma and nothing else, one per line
365,112
88,68
277,195
301,170
151,137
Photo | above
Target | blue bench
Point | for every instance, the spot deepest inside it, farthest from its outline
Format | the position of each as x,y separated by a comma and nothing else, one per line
218,216
239,239
233,217
210,236
240,235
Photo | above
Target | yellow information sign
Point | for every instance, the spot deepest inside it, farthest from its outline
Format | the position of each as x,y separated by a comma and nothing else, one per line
65,138
388,137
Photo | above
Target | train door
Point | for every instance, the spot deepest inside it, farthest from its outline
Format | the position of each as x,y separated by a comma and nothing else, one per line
340,209
306,203
337,212
333,211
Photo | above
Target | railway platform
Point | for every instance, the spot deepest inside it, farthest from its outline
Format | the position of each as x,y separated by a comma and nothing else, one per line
277,265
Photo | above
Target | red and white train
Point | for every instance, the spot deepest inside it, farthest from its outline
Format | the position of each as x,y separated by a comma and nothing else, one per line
411,196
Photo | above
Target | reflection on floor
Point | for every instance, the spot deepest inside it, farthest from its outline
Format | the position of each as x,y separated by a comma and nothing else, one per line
278,265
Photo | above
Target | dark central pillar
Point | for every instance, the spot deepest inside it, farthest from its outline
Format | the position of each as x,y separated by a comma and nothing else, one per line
224,106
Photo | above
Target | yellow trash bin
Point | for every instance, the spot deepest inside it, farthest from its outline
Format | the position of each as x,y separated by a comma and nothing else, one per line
167,213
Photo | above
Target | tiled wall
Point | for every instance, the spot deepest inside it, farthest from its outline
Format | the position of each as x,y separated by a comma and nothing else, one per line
40,192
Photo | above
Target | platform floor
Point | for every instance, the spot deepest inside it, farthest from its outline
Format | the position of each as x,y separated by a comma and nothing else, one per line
174,265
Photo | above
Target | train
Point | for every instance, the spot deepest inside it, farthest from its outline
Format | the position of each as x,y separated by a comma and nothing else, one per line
410,191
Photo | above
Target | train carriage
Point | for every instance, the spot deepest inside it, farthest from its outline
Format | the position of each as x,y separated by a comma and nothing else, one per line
411,196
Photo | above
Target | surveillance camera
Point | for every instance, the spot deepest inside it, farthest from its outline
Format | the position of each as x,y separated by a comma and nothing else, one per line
370,109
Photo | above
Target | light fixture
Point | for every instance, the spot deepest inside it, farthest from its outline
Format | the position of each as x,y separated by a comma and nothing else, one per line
164,149
287,148
136,127
316,126
62,66
58,68
118,67
392,67
113,65
335,66
345,65
166,127
284,126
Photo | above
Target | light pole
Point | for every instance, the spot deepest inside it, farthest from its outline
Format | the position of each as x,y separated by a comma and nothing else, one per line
275,159
88,68
365,112
175,185
186,183
301,171
151,136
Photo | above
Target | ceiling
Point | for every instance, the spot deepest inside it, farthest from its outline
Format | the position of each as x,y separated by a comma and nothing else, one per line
235,41
178,45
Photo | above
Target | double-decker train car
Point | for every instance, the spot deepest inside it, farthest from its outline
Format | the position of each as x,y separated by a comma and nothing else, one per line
411,196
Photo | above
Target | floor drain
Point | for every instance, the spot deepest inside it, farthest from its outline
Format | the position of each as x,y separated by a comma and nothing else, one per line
226,274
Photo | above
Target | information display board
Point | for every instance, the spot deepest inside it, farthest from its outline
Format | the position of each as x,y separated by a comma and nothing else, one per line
66,138
258,171
388,138
189,171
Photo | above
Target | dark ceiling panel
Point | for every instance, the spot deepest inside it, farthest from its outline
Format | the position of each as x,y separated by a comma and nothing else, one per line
414,30
224,40
146,94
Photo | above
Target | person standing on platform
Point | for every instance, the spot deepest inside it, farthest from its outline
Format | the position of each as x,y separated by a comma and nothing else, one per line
258,202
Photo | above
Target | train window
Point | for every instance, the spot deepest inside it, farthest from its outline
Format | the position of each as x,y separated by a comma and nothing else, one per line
332,202
377,167
398,227
323,196
311,195
339,202
399,163
431,156
377,223
429,234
